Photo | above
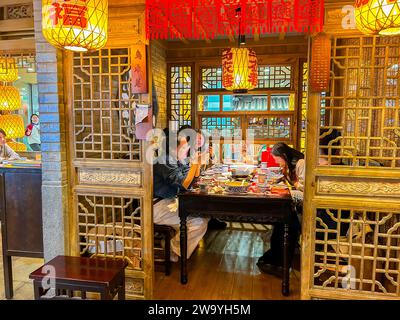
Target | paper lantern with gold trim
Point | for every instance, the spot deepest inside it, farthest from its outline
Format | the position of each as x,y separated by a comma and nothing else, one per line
239,69
320,67
378,16
8,70
77,25
10,98
17,146
13,125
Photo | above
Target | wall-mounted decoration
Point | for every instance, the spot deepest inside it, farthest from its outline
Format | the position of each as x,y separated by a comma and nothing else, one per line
139,69
378,16
320,63
77,25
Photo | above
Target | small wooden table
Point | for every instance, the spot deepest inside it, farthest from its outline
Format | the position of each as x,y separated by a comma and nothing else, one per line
103,275
250,208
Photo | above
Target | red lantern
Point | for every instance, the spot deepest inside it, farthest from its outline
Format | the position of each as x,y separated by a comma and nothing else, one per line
239,69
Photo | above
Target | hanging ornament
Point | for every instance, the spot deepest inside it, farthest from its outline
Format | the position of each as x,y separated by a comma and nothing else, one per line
239,69
378,16
13,125
8,70
10,99
320,63
77,25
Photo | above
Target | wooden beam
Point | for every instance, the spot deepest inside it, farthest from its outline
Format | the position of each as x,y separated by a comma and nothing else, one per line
5,3
17,45
13,25
282,35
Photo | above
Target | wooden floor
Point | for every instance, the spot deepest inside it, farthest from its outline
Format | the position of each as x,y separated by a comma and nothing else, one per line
224,267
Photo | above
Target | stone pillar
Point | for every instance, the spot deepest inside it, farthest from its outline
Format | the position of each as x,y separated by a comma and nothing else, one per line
53,138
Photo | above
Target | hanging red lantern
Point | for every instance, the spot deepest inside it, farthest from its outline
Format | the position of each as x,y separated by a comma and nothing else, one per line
239,69
320,67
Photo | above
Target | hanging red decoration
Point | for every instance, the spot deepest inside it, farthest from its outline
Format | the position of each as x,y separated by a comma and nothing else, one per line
320,68
207,19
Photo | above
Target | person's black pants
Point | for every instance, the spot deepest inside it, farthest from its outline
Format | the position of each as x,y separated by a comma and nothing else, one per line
275,254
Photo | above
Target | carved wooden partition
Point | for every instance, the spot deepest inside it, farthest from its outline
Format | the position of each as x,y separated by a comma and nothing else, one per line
351,226
111,181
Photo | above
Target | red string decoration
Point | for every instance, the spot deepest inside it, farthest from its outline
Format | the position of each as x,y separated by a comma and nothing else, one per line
202,19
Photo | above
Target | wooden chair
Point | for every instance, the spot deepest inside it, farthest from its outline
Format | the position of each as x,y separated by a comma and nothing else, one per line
162,234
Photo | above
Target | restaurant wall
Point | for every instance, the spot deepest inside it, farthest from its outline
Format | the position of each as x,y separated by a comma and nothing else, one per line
53,137
159,70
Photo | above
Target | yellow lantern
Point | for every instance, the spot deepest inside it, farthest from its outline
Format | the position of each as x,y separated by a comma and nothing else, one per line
239,69
10,99
378,16
8,70
13,125
77,25
17,146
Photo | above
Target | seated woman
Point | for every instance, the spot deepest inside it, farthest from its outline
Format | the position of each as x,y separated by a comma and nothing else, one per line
293,167
170,178
6,153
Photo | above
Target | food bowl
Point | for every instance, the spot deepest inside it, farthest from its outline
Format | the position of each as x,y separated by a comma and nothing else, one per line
237,187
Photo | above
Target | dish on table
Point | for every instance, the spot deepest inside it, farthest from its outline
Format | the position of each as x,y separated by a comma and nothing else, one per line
237,187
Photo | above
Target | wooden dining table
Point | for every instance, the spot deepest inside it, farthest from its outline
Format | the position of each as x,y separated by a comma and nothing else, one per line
247,208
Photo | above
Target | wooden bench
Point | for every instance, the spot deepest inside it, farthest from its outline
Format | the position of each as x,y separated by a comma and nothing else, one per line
165,233
68,276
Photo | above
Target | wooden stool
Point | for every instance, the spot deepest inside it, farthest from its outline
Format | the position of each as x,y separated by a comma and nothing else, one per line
103,275
166,233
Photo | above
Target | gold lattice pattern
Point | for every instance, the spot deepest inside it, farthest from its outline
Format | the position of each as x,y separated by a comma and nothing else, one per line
362,109
10,99
111,226
181,96
77,25
357,250
8,70
104,106
13,126
378,16
17,146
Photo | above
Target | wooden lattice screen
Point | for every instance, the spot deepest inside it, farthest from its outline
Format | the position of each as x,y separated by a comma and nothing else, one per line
351,232
112,199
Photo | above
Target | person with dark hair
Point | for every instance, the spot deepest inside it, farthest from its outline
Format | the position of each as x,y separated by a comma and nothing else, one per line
293,167
292,163
199,145
6,153
169,178
33,133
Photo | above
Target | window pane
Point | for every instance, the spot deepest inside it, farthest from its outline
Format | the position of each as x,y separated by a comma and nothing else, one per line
245,103
208,103
272,128
274,77
224,124
282,102
181,95
211,78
